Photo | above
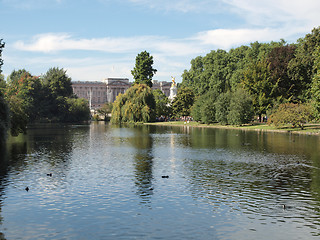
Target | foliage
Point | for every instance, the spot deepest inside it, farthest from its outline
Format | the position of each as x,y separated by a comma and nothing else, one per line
4,117
105,110
4,110
162,103
143,70
222,105
315,89
78,110
257,82
285,87
241,108
183,102
28,89
2,44
58,82
18,116
137,104
291,113
204,109
300,68
42,99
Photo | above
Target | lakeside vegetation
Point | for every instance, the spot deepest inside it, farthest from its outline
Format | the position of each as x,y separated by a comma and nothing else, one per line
276,82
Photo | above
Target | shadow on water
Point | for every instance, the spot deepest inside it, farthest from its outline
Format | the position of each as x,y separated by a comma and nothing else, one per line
3,173
143,162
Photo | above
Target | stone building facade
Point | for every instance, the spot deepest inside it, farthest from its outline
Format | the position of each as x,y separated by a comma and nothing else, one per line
106,91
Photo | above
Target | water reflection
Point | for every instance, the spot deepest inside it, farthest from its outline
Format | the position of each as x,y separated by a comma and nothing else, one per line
106,184
143,162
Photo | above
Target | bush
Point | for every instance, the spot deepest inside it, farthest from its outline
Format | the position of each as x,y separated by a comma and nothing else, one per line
290,113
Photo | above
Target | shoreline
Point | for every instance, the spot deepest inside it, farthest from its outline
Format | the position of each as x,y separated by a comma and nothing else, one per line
309,129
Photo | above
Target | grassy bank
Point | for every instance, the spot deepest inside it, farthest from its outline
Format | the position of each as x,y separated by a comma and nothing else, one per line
308,128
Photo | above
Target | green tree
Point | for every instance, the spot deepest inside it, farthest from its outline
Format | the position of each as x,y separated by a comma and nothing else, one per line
291,113
300,68
204,109
58,82
143,70
222,105
23,89
258,83
162,103
18,116
137,104
315,89
241,108
182,103
192,78
4,109
78,110
105,110
2,44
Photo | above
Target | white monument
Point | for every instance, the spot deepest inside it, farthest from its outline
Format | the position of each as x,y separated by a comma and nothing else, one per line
173,90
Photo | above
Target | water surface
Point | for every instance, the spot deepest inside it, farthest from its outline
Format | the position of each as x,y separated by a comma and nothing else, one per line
107,183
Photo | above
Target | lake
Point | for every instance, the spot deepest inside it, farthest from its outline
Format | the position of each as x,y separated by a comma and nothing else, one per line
100,181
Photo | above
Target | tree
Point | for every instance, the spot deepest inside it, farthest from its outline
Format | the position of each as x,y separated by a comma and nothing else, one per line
182,103
78,110
278,60
4,109
222,105
2,44
315,89
162,102
58,82
23,90
143,70
295,114
257,82
300,68
241,108
204,109
105,110
137,104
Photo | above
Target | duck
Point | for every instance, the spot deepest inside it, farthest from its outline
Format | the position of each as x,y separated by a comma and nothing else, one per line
166,176
27,189
49,174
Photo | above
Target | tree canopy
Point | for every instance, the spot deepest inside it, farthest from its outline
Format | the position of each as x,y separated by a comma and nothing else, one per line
143,70
47,98
271,73
137,104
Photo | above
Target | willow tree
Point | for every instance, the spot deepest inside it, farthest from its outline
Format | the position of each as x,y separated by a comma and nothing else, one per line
137,104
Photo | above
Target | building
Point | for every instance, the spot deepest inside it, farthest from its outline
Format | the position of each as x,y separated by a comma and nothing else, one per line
162,85
106,91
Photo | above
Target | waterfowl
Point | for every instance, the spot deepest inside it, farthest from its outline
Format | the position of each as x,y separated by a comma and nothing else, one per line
165,176
27,189
49,174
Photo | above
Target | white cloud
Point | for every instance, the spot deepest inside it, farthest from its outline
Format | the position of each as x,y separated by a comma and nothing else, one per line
228,38
50,42
278,13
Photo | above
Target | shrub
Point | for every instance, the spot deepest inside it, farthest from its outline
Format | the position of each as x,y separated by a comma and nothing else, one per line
291,113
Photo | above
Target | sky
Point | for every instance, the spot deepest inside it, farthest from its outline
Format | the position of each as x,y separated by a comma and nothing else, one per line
97,39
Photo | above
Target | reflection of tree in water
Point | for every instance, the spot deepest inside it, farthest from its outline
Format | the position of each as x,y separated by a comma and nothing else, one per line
3,173
143,142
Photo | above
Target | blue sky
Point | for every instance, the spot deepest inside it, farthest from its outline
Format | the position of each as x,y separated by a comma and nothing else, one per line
96,39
